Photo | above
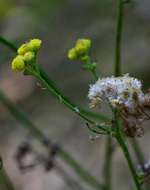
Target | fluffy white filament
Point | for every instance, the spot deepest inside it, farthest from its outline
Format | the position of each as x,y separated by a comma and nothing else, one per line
123,91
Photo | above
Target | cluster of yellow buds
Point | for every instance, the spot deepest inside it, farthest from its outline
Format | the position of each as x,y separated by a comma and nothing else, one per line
80,50
26,54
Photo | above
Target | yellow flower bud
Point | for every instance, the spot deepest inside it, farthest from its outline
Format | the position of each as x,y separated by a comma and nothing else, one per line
82,46
34,45
29,56
18,63
23,49
72,55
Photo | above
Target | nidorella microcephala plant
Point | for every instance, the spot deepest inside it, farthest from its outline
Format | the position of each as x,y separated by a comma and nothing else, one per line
125,94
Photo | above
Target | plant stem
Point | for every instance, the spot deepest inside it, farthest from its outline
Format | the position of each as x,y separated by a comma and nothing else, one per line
26,123
54,88
48,83
140,156
122,142
4,179
119,134
8,44
117,72
119,29
124,147
37,133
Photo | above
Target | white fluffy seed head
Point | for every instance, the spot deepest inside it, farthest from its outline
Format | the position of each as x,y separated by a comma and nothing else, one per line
118,91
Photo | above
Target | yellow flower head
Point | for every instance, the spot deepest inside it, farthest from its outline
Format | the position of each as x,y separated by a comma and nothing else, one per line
34,45
23,49
72,55
29,56
82,46
18,63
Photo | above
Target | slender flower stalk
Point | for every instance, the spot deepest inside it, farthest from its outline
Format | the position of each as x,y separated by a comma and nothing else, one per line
119,29
117,72
77,109
8,44
49,85
139,156
22,118
119,135
52,87
122,142
108,89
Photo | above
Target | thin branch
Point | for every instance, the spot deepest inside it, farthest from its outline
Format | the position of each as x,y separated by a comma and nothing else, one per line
122,142
8,44
119,29
77,109
119,134
117,72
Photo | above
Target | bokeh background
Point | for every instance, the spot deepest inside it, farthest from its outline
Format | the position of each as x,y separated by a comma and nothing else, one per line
59,23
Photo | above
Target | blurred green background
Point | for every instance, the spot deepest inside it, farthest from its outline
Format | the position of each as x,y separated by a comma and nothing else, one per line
59,23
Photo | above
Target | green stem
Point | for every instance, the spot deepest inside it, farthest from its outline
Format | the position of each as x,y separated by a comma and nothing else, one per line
119,29
48,83
8,44
117,72
69,104
122,142
129,160
119,135
140,156
26,123
4,179
37,133
49,86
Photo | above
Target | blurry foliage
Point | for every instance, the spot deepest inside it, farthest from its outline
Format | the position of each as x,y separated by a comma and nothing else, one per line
43,10
5,6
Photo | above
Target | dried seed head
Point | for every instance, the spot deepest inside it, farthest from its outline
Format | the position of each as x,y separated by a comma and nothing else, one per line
122,91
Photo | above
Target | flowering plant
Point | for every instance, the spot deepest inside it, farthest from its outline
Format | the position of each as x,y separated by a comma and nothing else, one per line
123,93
